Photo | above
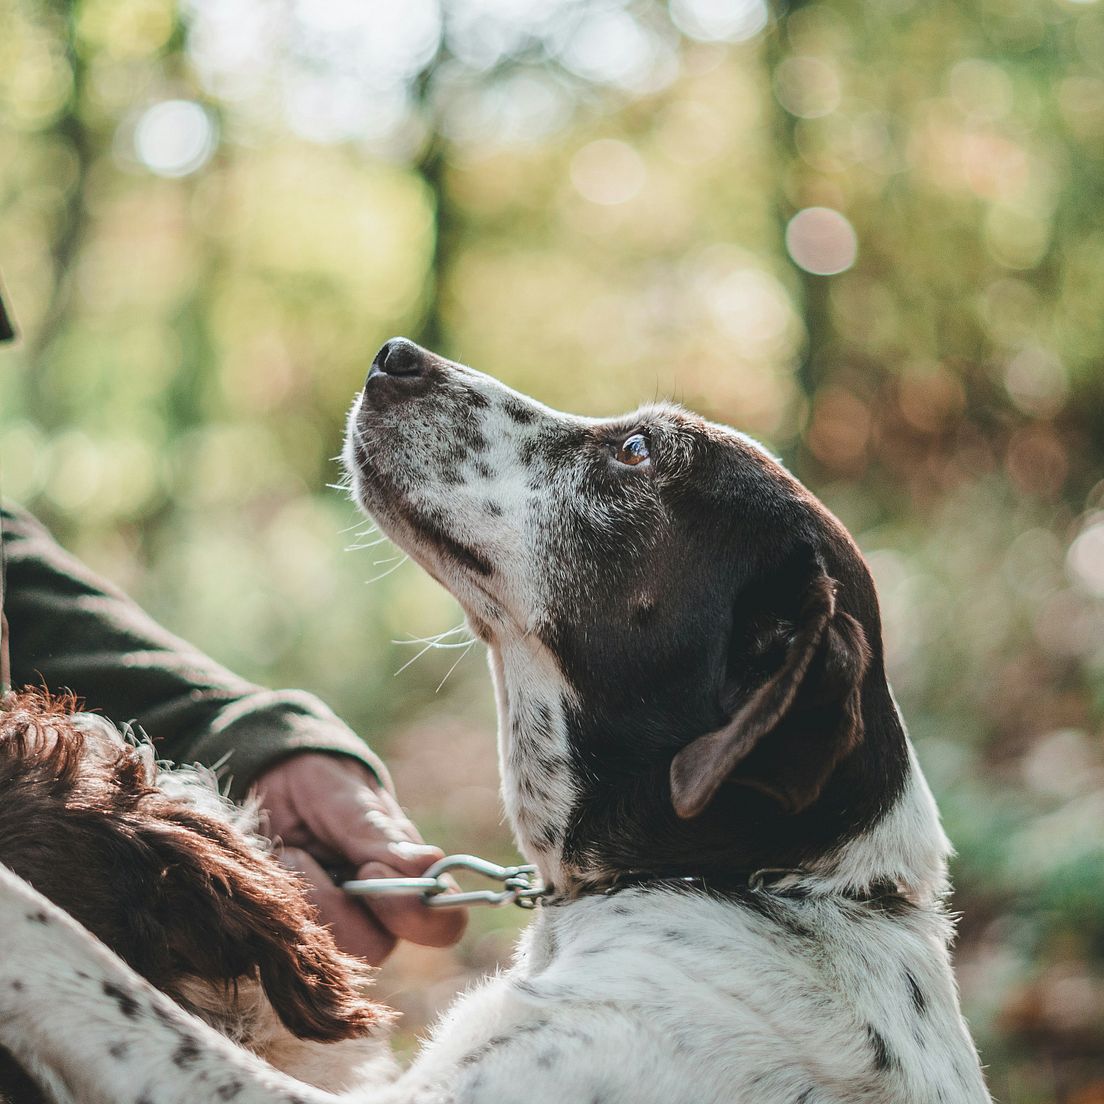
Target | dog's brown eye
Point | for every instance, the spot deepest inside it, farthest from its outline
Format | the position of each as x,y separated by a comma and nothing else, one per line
633,450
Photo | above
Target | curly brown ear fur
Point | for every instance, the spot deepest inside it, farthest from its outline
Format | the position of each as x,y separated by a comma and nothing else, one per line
231,910
786,739
173,890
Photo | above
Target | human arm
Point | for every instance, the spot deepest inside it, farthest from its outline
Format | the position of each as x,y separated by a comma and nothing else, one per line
68,628
327,795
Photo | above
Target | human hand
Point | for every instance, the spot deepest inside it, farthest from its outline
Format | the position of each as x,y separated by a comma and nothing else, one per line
330,809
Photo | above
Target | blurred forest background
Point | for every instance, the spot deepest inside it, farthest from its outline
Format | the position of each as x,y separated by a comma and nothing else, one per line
869,232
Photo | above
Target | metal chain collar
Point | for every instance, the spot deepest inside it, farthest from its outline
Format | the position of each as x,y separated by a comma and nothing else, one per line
521,885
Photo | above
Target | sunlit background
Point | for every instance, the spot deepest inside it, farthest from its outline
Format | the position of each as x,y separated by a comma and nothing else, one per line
870,233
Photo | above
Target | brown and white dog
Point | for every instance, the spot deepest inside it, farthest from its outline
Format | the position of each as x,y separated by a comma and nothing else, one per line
698,747
172,877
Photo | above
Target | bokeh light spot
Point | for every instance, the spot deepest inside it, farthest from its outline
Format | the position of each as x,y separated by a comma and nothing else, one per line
750,307
610,47
1036,461
719,20
982,90
821,241
1016,238
1085,558
839,429
174,138
807,87
1081,100
1036,381
608,172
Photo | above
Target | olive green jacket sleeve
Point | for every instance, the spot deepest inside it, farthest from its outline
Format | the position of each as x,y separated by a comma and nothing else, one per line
68,629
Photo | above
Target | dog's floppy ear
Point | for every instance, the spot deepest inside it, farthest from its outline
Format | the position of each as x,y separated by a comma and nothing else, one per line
175,891
223,910
788,736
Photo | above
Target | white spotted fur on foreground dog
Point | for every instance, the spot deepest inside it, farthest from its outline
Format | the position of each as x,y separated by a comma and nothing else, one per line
698,748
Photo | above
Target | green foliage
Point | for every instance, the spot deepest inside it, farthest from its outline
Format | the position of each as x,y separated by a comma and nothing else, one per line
212,216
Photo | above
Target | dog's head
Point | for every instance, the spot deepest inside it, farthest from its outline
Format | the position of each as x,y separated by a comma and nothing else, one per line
686,644
174,888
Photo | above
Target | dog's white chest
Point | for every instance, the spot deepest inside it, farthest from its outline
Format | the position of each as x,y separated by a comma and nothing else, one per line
678,998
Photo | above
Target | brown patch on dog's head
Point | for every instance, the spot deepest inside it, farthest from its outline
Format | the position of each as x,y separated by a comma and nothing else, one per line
176,892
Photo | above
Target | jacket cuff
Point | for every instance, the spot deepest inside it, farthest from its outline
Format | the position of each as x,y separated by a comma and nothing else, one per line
256,732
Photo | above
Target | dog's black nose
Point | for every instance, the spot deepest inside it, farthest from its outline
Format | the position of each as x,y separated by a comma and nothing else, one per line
399,357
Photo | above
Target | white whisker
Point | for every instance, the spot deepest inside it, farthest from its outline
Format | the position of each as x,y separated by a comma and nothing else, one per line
413,659
356,524
370,544
389,571
437,637
459,658
431,643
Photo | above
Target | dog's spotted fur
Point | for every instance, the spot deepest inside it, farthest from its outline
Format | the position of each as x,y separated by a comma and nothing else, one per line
687,659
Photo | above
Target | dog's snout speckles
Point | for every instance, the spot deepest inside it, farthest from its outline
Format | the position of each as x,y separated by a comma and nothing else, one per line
518,412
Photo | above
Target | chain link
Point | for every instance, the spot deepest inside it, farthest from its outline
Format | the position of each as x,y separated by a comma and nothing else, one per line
521,885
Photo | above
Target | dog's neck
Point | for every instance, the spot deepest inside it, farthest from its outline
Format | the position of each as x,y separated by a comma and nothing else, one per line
904,847
903,855
907,845
535,768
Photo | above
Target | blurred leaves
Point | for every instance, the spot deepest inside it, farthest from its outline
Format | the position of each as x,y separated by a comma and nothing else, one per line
214,213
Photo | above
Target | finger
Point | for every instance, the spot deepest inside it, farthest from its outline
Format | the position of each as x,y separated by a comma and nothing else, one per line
364,823
408,917
410,858
344,806
344,812
355,930
279,816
